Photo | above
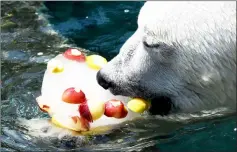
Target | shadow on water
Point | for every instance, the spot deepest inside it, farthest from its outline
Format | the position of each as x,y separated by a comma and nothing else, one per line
29,40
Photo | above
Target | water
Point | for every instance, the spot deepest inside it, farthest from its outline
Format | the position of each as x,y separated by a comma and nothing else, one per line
28,42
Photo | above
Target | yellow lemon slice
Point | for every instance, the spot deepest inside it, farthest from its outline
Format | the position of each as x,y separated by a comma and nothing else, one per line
138,105
95,61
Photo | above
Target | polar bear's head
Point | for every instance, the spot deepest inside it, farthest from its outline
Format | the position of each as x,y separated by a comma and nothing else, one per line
182,57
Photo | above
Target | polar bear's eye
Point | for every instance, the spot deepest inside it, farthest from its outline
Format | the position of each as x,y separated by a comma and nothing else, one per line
150,45
165,53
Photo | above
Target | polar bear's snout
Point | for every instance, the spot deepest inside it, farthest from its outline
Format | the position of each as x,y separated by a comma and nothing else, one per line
104,80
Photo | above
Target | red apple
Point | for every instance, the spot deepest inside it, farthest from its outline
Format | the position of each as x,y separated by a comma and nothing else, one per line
44,108
91,110
74,54
43,105
74,96
115,108
85,112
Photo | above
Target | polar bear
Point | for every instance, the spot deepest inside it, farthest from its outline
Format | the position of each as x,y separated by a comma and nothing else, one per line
182,57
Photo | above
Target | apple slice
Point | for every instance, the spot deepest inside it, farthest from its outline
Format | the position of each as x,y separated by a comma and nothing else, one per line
75,123
55,66
91,110
95,61
115,108
44,108
74,96
138,105
43,105
85,112
74,54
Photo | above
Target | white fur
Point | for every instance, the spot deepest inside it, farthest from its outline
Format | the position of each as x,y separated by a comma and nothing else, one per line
195,64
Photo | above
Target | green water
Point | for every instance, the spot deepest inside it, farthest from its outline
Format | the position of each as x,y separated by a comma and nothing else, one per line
101,27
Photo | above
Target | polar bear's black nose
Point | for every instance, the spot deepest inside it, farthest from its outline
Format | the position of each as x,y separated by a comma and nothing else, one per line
102,80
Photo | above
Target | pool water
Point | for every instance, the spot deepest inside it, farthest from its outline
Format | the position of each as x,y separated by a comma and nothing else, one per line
34,32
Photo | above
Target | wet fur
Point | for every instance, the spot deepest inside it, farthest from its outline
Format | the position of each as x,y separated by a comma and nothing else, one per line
183,50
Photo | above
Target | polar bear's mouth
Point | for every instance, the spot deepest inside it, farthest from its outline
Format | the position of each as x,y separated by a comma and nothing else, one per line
161,105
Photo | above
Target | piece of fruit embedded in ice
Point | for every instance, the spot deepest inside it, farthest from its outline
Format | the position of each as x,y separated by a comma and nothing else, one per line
74,54
95,61
43,105
115,108
74,96
85,112
91,110
138,105
44,108
75,123
55,66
